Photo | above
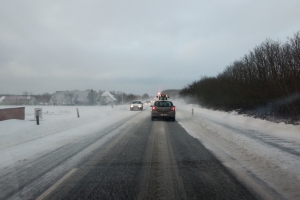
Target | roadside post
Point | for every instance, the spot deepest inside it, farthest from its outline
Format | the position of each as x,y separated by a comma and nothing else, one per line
192,111
37,117
39,111
77,112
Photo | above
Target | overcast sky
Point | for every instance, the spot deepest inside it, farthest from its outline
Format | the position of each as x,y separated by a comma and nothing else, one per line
131,46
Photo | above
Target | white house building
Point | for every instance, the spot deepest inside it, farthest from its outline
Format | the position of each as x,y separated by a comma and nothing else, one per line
107,98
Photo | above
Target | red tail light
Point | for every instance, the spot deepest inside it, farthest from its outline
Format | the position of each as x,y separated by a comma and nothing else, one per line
153,108
173,108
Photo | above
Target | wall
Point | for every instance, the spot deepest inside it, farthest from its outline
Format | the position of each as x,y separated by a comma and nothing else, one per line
12,113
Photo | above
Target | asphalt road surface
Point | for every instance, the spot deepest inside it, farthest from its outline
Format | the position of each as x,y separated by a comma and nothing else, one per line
142,159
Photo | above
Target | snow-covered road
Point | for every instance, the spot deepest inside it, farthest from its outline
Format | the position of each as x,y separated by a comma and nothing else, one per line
265,156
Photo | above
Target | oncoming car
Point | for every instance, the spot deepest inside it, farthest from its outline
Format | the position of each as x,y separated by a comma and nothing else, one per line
136,105
163,109
147,102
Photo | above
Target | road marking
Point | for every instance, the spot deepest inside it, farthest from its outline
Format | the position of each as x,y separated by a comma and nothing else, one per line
53,187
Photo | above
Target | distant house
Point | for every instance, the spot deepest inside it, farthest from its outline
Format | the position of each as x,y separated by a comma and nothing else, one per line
17,100
2,98
107,98
70,97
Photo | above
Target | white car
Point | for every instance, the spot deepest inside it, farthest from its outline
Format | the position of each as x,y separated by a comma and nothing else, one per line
136,105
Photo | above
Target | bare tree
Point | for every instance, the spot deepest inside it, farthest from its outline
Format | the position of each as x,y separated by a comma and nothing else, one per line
92,97
269,74
145,96
54,100
68,98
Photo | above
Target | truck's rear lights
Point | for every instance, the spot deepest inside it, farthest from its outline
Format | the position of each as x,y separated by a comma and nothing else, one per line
173,108
153,108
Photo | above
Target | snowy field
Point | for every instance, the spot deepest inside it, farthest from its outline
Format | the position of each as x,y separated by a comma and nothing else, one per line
259,152
23,139
55,119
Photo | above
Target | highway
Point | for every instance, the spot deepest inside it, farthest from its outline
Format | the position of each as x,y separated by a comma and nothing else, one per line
122,154
134,158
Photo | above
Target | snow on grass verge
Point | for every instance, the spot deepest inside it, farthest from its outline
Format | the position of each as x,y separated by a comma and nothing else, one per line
23,139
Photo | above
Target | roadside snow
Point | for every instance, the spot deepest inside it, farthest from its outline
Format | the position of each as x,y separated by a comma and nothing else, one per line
23,139
263,154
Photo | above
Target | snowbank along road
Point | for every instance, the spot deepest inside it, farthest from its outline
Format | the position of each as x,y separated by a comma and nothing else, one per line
114,153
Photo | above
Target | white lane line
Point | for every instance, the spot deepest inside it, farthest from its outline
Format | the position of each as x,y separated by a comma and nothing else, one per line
53,187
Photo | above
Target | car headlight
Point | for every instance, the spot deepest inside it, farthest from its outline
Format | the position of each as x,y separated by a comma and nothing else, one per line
140,106
131,105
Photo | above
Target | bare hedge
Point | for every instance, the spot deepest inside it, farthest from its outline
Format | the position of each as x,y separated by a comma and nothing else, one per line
265,81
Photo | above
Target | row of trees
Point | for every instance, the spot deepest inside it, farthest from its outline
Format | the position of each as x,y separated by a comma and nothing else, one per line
25,99
73,99
88,97
266,80
92,97
173,93
125,98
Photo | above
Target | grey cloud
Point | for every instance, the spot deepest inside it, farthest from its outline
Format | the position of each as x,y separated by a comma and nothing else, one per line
138,43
